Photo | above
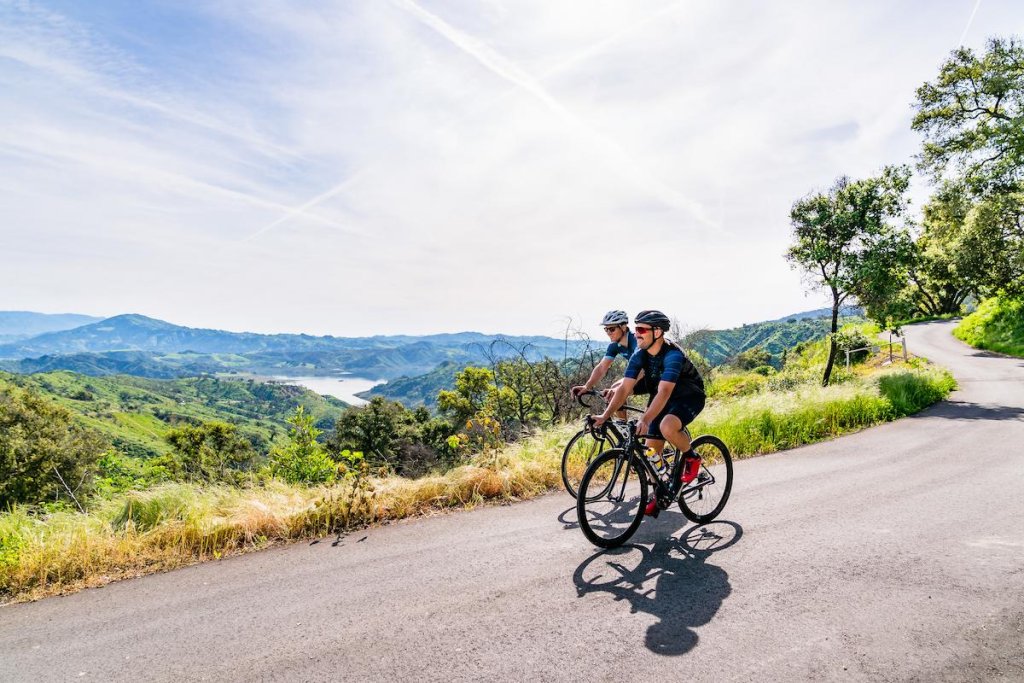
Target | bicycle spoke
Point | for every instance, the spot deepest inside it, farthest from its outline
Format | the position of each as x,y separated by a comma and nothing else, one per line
612,495
705,497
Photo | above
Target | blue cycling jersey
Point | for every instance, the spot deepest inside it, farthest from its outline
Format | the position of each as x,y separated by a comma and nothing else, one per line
670,364
615,348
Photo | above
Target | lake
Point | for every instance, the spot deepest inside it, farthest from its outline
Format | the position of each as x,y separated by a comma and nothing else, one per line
345,387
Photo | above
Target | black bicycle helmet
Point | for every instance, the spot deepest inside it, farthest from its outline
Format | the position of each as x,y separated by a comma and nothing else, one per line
615,318
654,319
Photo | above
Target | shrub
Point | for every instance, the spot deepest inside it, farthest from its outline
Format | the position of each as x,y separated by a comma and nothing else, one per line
852,339
752,358
41,445
735,384
213,451
116,473
303,460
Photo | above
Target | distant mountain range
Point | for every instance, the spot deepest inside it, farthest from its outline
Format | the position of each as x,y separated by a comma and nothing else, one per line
416,367
142,346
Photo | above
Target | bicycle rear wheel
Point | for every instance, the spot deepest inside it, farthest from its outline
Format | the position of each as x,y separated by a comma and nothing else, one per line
705,497
611,499
581,450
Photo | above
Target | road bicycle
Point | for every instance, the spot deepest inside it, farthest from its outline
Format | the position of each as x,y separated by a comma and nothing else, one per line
588,443
617,485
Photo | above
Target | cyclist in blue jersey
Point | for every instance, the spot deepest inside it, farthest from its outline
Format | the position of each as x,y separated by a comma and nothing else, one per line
675,387
616,326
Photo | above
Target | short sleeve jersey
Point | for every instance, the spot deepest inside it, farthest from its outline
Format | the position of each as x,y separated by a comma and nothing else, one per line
615,348
670,364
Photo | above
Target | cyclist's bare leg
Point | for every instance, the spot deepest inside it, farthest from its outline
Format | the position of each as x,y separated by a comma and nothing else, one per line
655,445
672,429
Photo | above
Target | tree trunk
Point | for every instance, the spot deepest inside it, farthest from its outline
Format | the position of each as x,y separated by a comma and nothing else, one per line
831,361
832,341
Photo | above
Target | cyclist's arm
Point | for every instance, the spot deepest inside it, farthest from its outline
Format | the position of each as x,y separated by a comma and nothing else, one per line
616,402
600,370
656,405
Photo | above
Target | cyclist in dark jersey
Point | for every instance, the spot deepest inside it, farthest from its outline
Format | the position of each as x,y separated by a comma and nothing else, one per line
616,325
675,387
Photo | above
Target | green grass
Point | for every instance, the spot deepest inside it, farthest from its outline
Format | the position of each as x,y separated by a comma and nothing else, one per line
997,325
773,421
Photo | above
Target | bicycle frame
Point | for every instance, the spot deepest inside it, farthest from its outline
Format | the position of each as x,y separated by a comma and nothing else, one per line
632,447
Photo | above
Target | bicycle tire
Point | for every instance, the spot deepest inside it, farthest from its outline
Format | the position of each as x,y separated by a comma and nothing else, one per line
705,497
581,450
606,521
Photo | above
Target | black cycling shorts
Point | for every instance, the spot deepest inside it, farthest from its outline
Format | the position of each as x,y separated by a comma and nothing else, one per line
686,408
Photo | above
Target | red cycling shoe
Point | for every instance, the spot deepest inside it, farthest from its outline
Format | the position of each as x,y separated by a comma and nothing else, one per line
691,468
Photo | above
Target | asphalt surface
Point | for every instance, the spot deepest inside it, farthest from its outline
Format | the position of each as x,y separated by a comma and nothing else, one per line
896,553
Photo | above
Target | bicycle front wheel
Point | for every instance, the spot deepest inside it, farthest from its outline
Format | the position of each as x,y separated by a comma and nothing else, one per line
611,499
705,497
581,450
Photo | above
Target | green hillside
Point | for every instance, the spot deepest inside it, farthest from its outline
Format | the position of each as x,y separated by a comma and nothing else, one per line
719,346
997,325
420,390
135,413
146,347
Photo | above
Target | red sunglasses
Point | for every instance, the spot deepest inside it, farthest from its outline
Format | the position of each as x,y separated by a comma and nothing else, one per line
643,330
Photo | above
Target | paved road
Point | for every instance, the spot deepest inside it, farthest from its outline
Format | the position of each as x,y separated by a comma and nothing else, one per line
893,554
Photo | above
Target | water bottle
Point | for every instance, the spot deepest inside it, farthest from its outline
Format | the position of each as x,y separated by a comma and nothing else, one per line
658,460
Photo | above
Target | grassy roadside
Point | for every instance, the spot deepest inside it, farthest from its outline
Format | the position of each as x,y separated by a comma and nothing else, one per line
997,325
179,524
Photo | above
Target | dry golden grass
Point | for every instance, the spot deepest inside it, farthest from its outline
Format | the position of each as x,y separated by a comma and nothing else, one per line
180,524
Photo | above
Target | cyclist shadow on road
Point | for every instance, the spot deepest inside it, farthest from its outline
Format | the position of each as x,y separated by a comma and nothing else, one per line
672,580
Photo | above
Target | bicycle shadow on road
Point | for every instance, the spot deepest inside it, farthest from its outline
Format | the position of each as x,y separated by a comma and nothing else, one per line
672,580
568,518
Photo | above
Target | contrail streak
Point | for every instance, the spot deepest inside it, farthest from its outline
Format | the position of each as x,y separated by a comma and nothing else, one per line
519,79
300,210
508,70
970,21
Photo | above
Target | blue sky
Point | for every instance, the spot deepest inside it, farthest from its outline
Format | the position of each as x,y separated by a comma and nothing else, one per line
410,166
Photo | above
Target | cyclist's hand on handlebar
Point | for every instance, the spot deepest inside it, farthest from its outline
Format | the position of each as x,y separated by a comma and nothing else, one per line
642,427
607,394
577,390
598,420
